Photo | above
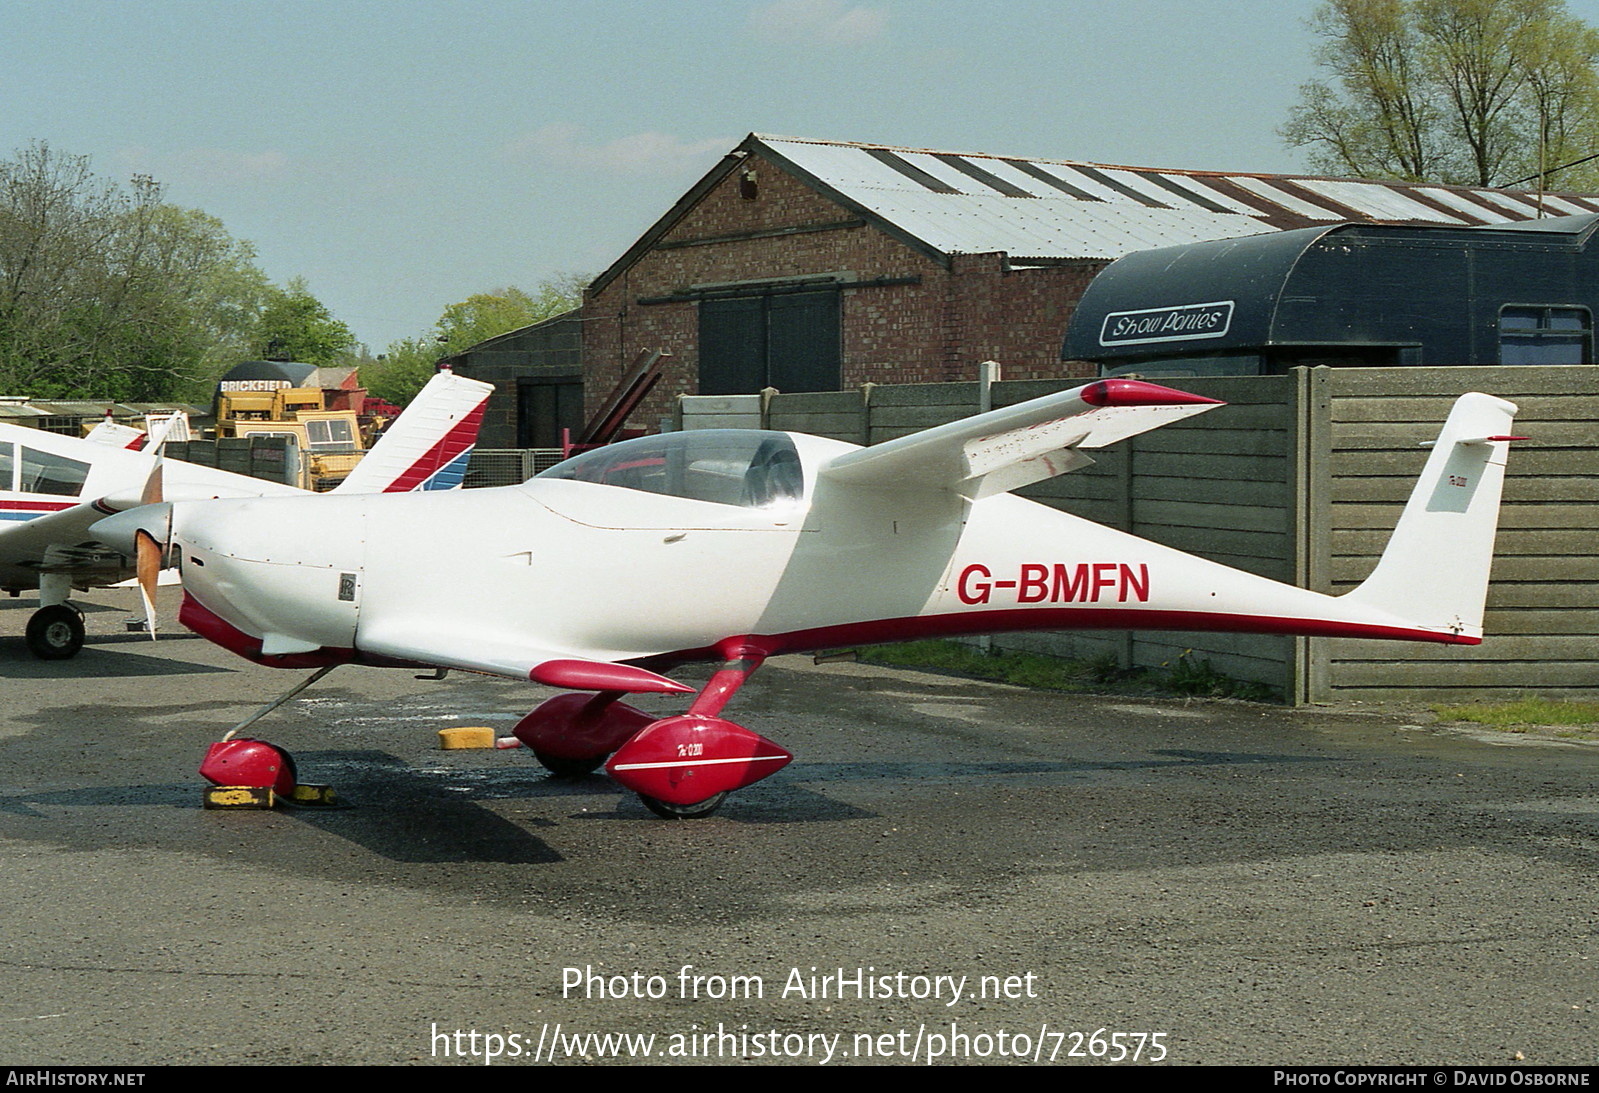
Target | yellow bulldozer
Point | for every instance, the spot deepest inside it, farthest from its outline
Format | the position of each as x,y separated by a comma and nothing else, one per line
323,420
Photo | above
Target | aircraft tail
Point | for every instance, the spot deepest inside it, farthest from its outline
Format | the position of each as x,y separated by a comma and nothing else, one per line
115,435
1434,571
427,446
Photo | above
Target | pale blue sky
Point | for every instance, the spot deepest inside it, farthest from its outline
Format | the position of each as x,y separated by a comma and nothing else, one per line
403,155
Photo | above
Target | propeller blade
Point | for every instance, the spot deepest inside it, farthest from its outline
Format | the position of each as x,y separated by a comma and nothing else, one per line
147,565
152,492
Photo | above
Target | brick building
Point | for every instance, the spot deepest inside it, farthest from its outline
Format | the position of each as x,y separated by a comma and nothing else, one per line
537,372
811,265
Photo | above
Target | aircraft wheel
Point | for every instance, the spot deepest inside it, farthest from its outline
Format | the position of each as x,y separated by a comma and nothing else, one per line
562,767
698,810
55,632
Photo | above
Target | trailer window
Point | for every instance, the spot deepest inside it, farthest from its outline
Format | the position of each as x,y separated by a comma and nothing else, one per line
1545,335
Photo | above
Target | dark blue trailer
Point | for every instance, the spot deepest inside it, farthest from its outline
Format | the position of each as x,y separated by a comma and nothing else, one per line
1346,295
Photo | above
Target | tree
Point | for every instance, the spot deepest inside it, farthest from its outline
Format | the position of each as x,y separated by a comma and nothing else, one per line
408,364
200,263
107,292
1472,92
71,251
294,325
402,370
486,314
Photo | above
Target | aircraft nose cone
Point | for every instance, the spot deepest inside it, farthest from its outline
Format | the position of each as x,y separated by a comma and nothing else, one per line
117,532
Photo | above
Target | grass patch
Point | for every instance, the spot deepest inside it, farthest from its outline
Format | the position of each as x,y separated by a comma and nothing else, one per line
1582,718
1197,677
1099,675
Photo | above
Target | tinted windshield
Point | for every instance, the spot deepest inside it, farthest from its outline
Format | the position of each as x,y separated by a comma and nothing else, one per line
746,467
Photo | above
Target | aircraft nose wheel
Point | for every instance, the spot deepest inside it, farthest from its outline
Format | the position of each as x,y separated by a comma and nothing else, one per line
696,811
55,632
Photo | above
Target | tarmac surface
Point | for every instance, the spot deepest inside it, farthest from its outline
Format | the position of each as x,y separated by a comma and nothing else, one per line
950,870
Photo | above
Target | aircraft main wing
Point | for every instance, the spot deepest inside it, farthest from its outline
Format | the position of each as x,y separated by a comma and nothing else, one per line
59,542
1018,445
474,653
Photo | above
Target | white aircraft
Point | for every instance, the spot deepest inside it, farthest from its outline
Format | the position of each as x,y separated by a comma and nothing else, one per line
736,545
52,488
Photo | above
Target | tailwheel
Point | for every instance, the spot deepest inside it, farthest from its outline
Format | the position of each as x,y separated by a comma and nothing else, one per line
55,632
666,810
562,767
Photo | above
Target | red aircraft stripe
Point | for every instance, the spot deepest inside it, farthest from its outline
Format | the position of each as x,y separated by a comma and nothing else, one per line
958,623
1102,618
460,437
208,624
36,506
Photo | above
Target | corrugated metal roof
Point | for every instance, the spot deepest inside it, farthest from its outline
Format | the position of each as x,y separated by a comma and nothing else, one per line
82,407
1467,203
1278,196
971,203
978,224
90,408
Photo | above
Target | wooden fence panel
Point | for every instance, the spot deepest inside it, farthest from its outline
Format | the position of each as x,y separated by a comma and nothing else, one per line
1541,625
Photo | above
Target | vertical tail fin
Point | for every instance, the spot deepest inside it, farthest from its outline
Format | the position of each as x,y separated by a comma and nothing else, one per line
428,445
1434,571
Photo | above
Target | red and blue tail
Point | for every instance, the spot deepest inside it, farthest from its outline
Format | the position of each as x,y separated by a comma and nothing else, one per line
429,445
